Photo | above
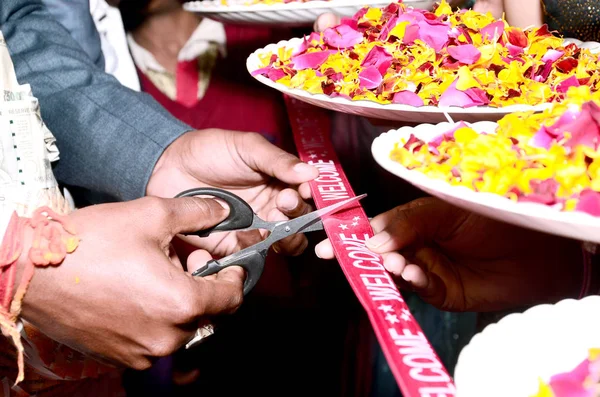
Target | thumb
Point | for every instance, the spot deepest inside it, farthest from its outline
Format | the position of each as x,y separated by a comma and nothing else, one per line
220,294
262,156
325,21
423,220
191,214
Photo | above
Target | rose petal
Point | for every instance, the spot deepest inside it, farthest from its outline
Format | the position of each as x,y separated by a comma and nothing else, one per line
379,58
464,99
564,85
408,98
370,78
353,23
387,28
552,55
360,13
311,60
543,192
584,129
276,74
342,36
514,50
493,31
262,71
478,96
435,36
337,94
589,202
301,48
467,53
448,135
542,138
517,37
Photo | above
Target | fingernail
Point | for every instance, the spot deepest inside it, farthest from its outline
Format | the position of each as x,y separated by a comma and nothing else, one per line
378,240
317,249
290,205
302,168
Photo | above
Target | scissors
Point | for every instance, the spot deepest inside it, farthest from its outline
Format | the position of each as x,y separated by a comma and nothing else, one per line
241,218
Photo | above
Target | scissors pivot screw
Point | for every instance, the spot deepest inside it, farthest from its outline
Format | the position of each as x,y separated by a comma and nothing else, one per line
287,229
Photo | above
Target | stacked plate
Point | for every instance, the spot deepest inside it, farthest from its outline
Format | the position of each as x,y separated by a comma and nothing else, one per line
292,14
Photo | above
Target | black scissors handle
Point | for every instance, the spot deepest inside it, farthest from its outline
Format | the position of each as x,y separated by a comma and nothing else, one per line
253,261
240,216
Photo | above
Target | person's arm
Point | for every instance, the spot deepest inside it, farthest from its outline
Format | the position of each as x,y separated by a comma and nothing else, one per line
523,13
109,136
496,7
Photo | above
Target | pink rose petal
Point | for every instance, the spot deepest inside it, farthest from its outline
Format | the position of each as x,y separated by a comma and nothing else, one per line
411,33
379,58
276,74
464,99
552,55
467,53
545,72
585,129
446,136
370,78
542,138
387,28
564,85
589,202
301,48
514,50
436,36
311,60
583,126
493,31
342,36
408,98
337,94
478,96
263,71
360,13
544,192
353,23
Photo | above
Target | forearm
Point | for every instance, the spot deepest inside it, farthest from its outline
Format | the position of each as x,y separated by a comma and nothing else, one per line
110,137
523,13
495,7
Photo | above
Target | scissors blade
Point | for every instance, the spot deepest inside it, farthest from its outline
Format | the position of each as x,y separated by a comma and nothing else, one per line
305,223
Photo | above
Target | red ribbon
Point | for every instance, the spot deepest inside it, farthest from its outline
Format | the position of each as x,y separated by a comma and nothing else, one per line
415,365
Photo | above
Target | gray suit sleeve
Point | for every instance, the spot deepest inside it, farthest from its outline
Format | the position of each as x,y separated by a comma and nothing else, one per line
109,137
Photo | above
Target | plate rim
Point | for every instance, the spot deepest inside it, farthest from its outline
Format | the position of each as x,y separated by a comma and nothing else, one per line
214,6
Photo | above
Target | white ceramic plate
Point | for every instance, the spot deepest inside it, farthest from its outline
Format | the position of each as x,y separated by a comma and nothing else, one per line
397,112
290,14
506,359
578,225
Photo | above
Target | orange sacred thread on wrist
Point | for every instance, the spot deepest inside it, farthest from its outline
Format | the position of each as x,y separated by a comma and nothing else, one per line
54,237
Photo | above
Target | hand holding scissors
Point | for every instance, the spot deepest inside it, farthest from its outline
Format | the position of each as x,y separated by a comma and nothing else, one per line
242,217
252,259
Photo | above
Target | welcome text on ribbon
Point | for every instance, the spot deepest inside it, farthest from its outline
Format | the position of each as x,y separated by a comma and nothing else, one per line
416,367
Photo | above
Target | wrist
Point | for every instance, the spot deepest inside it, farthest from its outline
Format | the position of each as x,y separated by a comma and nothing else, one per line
166,169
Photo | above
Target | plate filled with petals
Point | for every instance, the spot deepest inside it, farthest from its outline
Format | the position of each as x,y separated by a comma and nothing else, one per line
535,170
407,64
